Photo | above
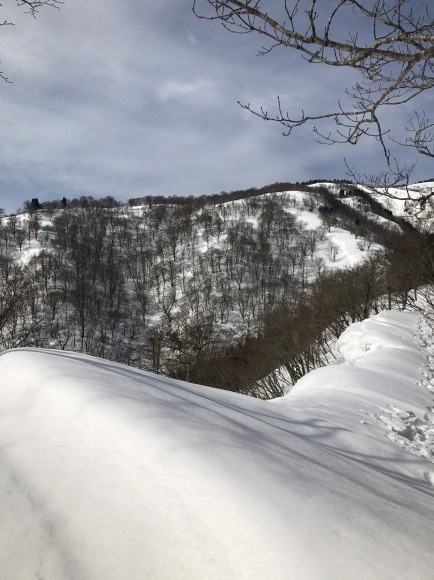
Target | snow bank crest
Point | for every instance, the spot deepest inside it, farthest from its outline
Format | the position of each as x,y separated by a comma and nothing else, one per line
389,329
411,429
110,472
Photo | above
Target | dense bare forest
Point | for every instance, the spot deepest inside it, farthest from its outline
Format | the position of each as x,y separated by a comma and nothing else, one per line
243,291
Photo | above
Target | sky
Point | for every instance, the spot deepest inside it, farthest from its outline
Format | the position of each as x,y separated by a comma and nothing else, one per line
133,98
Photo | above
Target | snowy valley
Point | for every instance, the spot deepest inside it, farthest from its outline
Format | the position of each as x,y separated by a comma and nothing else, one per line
319,465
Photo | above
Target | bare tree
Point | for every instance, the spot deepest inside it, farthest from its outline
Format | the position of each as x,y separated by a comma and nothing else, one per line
388,43
31,7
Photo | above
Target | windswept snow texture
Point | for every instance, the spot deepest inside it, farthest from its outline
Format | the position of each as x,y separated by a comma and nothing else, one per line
113,473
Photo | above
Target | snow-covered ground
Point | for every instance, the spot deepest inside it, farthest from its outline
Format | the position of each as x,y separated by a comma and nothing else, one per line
413,202
407,203
110,472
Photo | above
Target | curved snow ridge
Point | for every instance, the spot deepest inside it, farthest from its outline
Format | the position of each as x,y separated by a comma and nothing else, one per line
380,364
382,368
110,472
388,329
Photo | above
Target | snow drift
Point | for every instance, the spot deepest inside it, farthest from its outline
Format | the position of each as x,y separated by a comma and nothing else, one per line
110,472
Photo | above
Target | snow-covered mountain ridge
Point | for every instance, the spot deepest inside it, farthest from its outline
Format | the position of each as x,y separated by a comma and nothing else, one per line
168,286
110,472
414,203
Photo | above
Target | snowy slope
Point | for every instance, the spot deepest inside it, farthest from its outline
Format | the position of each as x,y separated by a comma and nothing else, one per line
403,202
154,274
109,472
406,203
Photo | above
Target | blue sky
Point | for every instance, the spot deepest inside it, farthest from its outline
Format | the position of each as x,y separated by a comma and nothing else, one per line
133,98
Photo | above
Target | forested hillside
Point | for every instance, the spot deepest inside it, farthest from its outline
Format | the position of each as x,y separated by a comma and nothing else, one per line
243,291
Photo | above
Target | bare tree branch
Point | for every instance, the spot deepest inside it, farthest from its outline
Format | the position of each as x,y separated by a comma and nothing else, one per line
30,7
393,55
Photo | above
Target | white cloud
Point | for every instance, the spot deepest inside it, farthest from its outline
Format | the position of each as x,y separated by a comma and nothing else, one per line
195,90
192,39
123,97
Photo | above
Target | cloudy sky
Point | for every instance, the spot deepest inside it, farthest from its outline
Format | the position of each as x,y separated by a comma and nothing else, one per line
134,97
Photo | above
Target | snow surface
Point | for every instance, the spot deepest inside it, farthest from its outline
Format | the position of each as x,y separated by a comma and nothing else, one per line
110,472
405,202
